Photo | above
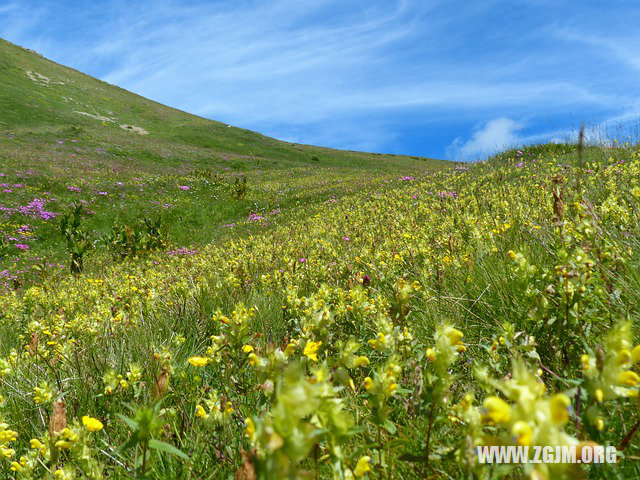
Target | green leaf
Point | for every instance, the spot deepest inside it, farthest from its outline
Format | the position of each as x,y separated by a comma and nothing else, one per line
389,426
133,425
131,443
165,447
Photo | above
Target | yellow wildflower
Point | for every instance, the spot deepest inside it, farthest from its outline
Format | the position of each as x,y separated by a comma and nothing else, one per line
629,378
465,402
560,408
455,336
599,395
585,360
635,354
249,427
18,466
290,348
201,412
523,432
379,342
35,444
624,357
368,383
311,350
599,423
362,361
496,410
390,389
363,466
92,424
198,361
253,359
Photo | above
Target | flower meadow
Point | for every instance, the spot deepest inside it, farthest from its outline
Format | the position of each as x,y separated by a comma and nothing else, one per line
381,334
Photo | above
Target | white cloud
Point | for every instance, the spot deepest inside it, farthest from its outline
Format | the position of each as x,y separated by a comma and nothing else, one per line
493,136
503,133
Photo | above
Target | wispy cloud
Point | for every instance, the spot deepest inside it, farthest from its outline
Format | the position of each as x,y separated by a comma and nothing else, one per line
495,135
361,74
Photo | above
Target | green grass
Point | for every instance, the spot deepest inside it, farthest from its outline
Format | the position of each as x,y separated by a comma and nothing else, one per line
477,247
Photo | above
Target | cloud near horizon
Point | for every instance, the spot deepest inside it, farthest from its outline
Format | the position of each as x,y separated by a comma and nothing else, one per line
495,135
420,77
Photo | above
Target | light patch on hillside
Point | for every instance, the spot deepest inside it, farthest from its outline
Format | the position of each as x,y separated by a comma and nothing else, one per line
133,128
96,117
38,78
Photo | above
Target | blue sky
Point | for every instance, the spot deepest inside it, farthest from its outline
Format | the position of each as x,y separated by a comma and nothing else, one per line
454,79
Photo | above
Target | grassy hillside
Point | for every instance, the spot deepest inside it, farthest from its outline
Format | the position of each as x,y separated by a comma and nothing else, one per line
43,98
381,335
66,138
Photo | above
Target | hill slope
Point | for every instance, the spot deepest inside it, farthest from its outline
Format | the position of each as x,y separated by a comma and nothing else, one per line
42,97
67,138
385,334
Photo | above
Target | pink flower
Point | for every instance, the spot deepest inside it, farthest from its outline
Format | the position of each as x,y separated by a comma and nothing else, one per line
181,251
254,217
447,194
184,187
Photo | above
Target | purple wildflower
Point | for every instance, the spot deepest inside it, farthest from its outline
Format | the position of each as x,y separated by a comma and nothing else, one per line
254,217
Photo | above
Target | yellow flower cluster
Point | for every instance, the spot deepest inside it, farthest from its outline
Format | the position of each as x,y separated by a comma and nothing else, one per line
338,334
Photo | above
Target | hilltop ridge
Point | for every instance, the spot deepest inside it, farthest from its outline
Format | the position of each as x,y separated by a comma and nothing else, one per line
40,96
